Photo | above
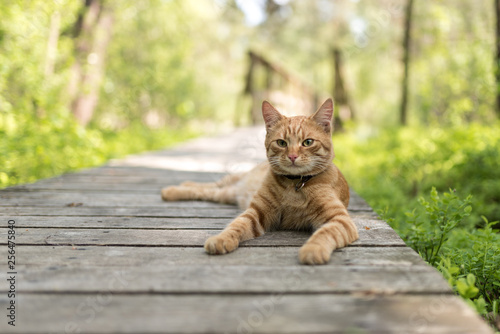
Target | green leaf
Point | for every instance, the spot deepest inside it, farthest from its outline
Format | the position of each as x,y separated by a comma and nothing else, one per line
471,279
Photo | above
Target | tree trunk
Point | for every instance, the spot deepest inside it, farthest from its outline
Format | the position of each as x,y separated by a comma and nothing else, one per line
92,34
343,105
51,53
81,34
406,62
497,59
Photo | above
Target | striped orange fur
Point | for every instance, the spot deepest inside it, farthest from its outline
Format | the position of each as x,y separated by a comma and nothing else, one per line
299,188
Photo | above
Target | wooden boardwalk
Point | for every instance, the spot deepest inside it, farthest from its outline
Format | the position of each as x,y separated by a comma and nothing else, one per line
99,252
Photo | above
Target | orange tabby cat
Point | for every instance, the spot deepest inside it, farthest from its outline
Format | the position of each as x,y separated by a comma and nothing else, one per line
299,188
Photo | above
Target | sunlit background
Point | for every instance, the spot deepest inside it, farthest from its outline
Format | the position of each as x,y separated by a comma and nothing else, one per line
85,81
414,81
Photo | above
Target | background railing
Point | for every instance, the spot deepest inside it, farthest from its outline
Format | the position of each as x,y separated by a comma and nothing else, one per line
266,80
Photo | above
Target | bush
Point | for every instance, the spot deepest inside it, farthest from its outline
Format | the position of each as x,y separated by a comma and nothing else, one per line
395,169
476,254
35,148
427,233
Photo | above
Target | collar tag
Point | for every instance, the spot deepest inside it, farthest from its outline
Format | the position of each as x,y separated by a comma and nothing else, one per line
300,184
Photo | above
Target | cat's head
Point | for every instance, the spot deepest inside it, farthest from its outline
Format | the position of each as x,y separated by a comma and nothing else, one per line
299,145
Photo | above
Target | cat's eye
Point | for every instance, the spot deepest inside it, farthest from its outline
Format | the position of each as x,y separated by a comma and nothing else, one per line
281,143
307,142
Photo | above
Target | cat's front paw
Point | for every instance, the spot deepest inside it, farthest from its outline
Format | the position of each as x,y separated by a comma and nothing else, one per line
314,254
171,193
220,244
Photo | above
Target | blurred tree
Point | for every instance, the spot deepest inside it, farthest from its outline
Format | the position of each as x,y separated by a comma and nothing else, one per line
454,81
406,61
92,36
497,73
159,65
174,62
343,106
55,22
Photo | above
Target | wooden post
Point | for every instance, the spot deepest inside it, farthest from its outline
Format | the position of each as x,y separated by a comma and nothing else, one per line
406,63
250,88
249,77
292,90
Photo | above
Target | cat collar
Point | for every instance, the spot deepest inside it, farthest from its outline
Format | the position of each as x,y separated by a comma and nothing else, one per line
302,181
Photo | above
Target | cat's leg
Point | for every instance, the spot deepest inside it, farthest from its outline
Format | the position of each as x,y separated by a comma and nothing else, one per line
226,181
252,223
222,191
225,195
338,231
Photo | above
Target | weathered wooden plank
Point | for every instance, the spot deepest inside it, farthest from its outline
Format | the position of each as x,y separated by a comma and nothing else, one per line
155,257
251,270
115,187
159,210
364,220
117,222
148,187
375,236
235,279
105,199
97,199
84,211
153,178
125,171
271,313
19,195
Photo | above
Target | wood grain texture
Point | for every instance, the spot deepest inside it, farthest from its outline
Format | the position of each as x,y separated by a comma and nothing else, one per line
83,211
249,270
269,313
203,279
124,211
379,234
149,257
52,198
128,222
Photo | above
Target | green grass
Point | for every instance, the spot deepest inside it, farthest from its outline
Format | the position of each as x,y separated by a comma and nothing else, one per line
394,168
32,149
400,173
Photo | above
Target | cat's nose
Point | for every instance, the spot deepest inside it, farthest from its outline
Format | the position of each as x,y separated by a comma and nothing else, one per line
292,157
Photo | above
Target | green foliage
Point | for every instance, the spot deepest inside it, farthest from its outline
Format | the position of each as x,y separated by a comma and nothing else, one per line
468,258
478,252
33,149
471,264
428,232
452,84
154,81
464,286
393,168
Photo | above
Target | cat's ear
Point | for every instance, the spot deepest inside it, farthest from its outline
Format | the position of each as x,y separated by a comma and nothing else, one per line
270,114
324,115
